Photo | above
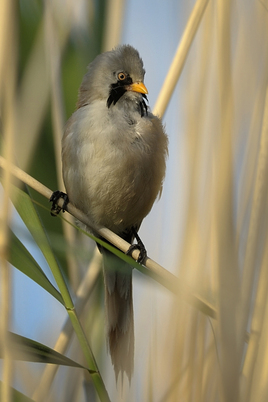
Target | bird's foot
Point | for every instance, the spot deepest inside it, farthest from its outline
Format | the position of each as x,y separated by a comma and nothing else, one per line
139,246
55,208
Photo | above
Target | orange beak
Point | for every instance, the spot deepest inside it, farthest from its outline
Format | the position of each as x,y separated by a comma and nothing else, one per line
137,87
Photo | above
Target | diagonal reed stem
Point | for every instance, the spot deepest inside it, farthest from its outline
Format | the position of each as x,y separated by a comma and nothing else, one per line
150,267
180,58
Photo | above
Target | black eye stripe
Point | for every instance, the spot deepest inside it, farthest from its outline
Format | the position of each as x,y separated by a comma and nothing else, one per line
126,81
118,89
123,78
115,94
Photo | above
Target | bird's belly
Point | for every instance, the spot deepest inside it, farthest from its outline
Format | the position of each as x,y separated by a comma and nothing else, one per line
116,194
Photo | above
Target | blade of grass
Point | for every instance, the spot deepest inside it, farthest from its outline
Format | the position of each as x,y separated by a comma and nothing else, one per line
21,259
55,269
16,395
29,350
96,377
92,365
28,214
65,336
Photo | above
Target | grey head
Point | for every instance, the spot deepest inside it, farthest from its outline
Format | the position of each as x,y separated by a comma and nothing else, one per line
115,76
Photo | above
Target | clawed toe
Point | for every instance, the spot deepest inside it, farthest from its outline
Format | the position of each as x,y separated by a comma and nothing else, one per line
141,248
55,208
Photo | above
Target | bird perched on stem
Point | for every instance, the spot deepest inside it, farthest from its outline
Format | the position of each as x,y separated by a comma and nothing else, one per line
113,161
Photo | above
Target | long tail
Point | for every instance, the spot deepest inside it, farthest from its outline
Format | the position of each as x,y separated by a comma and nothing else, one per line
119,312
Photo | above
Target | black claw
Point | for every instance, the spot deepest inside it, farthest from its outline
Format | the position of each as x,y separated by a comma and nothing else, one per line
139,246
55,208
142,255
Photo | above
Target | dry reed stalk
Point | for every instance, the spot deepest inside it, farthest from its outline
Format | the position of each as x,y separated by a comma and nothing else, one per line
56,39
194,258
32,101
8,70
258,215
114,23
180,58
159,273
227,264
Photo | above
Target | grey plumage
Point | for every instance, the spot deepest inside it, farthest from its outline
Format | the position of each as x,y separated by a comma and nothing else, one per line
113,154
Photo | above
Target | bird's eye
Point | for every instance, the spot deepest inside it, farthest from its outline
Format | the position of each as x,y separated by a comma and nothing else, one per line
121,76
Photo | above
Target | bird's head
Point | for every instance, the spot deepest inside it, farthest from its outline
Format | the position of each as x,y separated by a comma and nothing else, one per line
115,76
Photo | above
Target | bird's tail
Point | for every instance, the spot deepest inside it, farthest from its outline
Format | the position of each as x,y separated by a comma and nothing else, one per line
119,312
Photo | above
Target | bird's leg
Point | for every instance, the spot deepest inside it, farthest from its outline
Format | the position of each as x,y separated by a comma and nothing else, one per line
139,246
55,208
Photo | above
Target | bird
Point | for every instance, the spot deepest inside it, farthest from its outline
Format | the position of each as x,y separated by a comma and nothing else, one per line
114,153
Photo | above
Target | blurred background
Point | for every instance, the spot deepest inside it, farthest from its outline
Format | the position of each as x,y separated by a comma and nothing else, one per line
210,226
